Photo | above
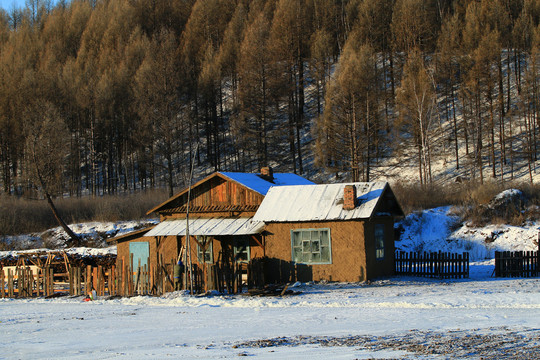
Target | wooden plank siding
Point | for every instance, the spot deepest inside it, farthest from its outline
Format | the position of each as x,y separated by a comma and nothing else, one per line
218,191
214,198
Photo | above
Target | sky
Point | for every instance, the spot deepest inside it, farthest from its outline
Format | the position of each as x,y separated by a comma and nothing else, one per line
9,4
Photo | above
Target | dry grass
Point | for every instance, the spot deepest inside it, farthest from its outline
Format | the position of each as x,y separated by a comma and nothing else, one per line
413,197
473,198
22,216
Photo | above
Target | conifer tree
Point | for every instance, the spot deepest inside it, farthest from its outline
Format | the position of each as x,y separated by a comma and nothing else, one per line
347,130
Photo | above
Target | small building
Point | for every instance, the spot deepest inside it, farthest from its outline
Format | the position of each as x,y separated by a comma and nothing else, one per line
335,232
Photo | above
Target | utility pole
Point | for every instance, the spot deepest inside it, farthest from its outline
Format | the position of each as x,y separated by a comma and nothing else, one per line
188,242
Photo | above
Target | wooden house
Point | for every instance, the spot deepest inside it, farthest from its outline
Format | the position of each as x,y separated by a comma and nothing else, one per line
303,231
221,229
336,232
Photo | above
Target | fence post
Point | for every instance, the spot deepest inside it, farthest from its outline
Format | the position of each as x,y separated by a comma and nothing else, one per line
2,282
10,284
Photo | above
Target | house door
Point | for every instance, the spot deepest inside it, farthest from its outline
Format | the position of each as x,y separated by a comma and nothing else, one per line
140,252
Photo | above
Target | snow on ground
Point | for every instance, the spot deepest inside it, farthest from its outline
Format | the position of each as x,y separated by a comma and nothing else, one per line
402,317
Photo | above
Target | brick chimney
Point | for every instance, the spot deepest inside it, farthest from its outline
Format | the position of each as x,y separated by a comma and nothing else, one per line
267,173
349,197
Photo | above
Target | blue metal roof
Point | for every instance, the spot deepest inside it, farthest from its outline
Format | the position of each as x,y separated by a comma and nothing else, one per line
258,184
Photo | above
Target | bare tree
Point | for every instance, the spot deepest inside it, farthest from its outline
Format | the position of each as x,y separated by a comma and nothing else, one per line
417,108
47,146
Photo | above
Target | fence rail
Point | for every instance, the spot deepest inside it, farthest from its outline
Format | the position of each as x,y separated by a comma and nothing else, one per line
435,264
516,264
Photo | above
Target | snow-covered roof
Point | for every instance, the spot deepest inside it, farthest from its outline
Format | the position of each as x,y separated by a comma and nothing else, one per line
318,202
208,227
260,185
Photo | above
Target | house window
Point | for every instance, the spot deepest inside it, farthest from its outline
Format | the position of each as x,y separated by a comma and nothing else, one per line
379,241
241,250
311,246
204,249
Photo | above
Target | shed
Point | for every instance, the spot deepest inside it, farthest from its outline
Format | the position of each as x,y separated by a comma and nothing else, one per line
335,232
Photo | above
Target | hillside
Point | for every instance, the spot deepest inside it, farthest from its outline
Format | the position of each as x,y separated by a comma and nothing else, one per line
421,91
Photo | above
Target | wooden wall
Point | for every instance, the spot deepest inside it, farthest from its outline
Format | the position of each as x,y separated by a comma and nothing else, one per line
168,249
219,192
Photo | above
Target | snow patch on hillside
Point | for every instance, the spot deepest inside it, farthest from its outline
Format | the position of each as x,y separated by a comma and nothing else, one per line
94,235
440,229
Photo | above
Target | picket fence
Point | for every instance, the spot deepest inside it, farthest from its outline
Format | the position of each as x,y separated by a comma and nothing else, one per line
434,264
516,264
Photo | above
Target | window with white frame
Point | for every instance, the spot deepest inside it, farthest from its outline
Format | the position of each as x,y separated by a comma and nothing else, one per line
204,249
311,246
379,241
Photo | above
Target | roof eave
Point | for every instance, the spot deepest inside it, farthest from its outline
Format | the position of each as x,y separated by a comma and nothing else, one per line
124,237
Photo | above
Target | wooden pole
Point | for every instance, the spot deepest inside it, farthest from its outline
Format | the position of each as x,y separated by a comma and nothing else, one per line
187,223
2,283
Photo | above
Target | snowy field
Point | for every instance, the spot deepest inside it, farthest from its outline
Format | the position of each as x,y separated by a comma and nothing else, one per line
402,317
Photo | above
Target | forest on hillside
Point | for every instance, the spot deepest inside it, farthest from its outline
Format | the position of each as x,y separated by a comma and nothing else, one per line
111,96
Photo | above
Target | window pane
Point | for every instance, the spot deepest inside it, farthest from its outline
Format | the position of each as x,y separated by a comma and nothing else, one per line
241,250
297,254
379,241
315,247
311,246
325,254
324,238
296,239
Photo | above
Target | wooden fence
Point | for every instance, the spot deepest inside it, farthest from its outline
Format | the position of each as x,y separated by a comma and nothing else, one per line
516,264
24,282
124,279
225,278
115,281
434,264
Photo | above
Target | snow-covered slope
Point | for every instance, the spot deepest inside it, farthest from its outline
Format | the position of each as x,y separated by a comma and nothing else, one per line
441,229
94,236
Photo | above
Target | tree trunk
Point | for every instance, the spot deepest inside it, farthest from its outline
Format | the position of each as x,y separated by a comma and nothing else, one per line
74,237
